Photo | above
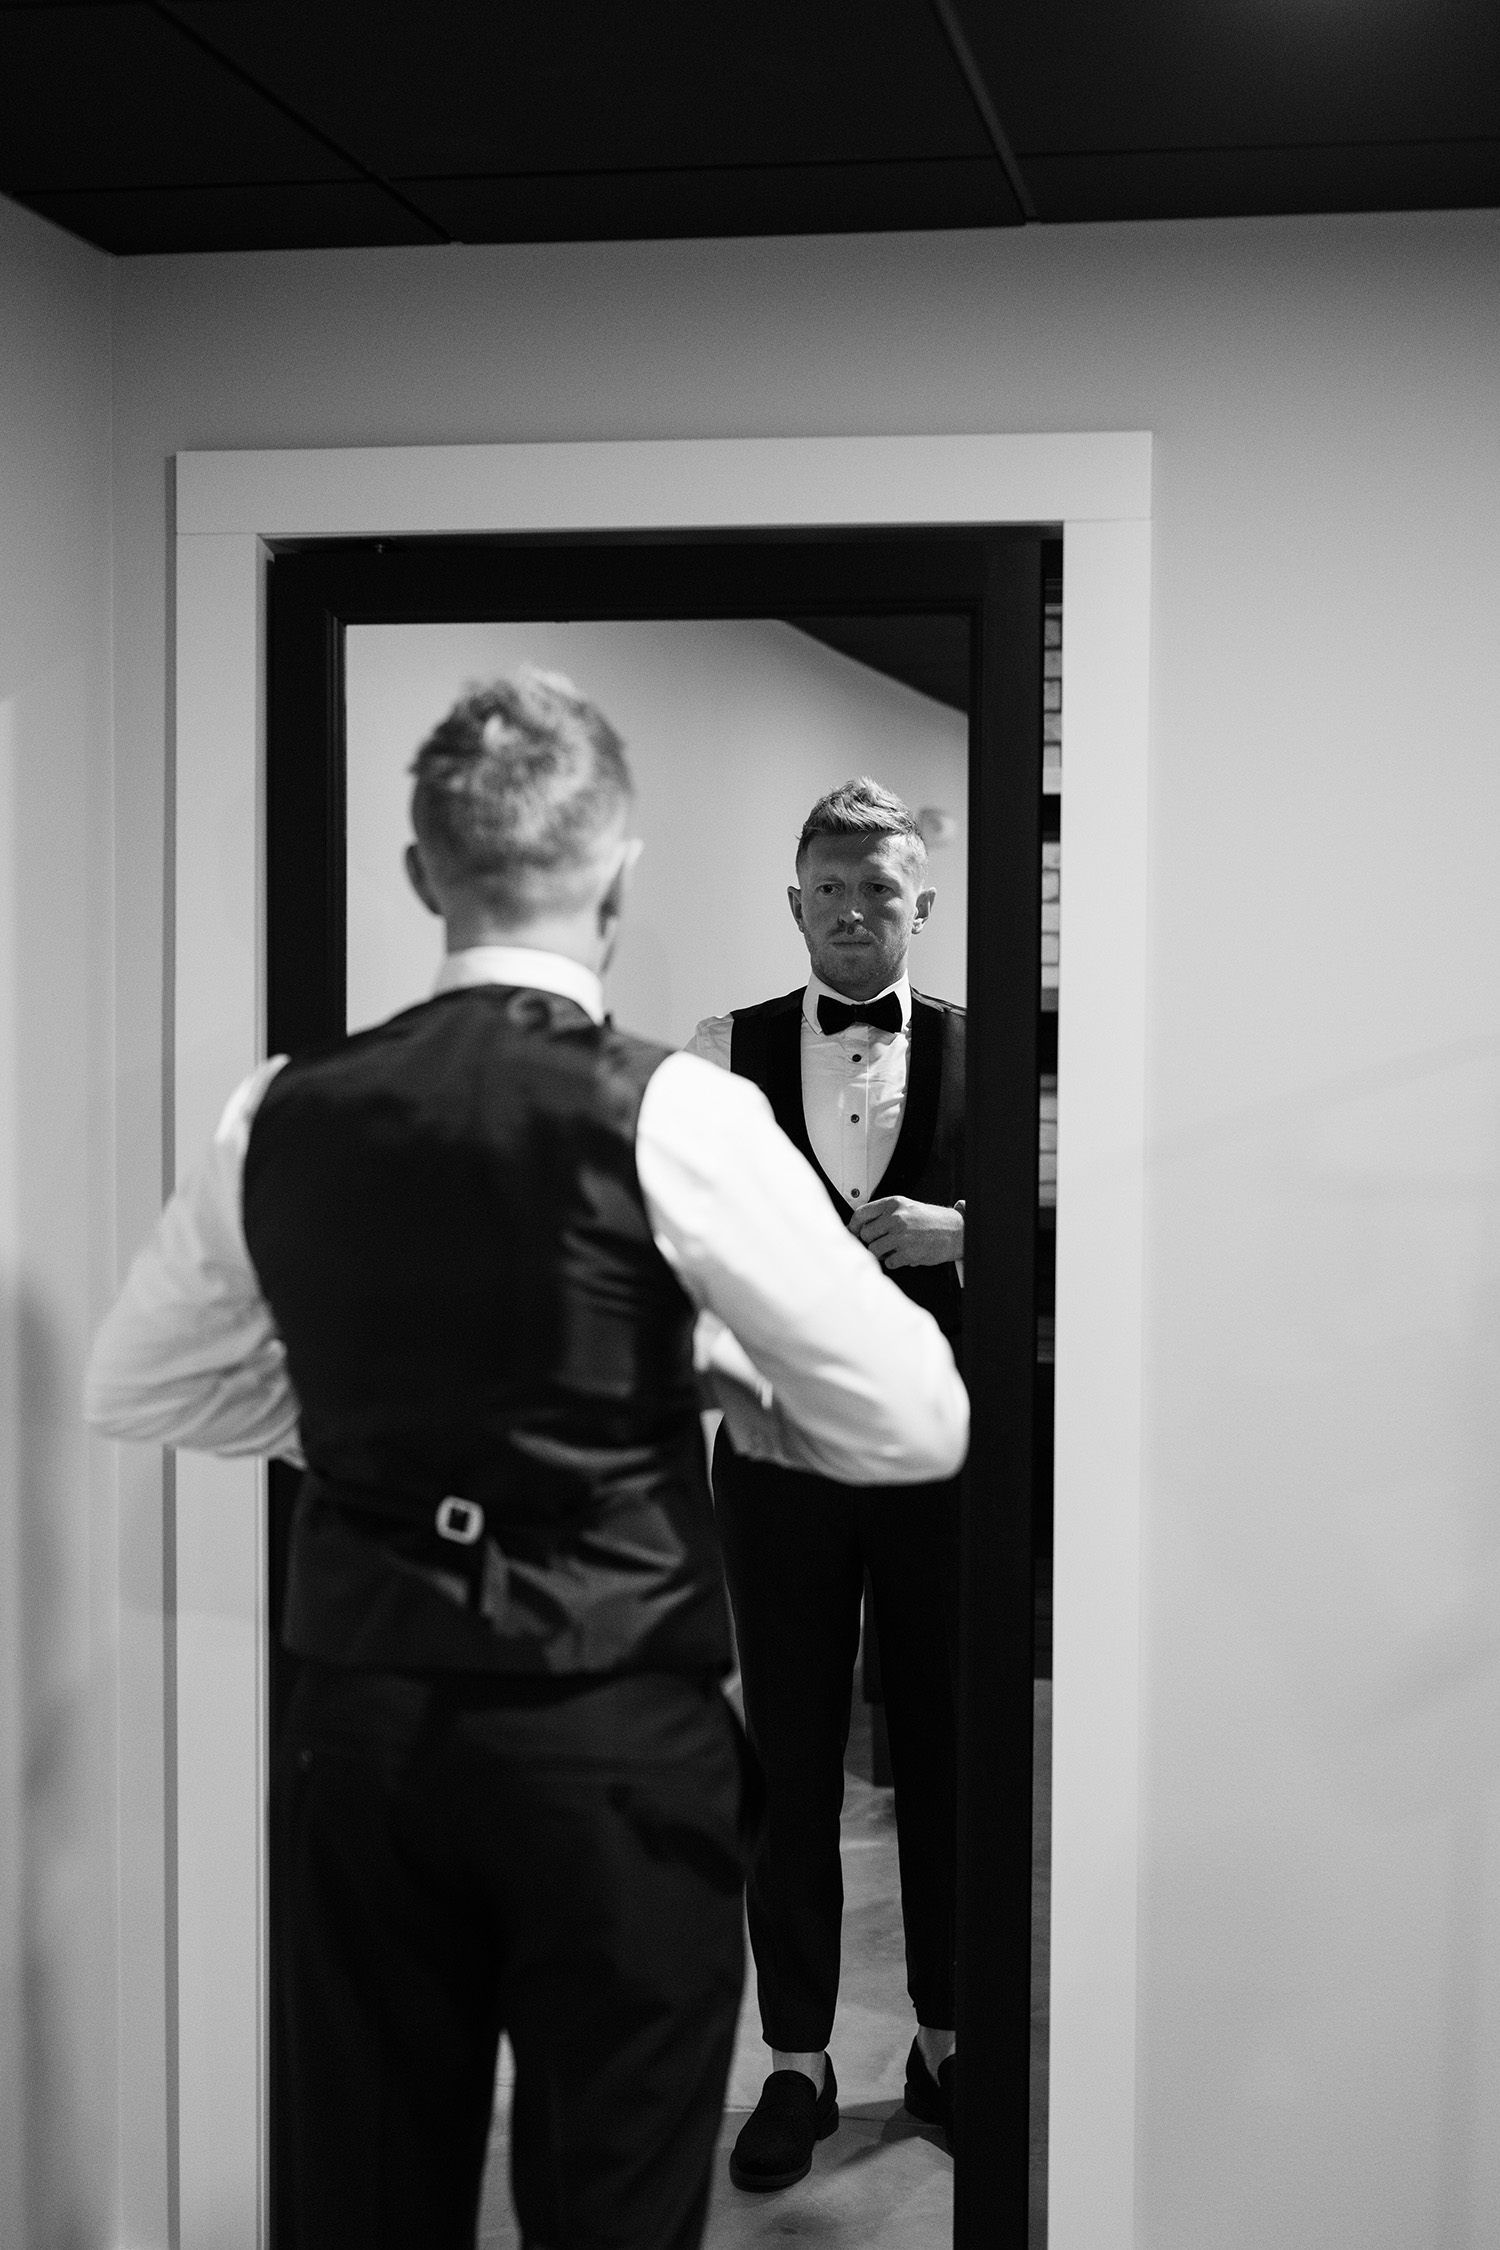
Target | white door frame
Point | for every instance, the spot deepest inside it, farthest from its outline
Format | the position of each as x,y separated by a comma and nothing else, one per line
1098,486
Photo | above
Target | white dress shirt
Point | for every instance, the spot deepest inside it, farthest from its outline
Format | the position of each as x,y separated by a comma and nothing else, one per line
853,1089
816,1357
853,1086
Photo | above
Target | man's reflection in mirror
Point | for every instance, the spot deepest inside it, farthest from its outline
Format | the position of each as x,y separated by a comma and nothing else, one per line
866,1078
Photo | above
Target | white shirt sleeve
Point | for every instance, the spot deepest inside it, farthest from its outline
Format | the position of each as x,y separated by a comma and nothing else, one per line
189,1355
842,1374
861,1380
712,1040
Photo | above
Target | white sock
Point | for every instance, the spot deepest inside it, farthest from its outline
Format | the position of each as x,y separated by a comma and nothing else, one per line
814,2067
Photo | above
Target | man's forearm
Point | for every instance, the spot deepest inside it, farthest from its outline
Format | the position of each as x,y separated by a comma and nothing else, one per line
862,1378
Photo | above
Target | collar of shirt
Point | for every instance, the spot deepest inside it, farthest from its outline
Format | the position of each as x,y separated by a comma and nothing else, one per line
523,965
816,987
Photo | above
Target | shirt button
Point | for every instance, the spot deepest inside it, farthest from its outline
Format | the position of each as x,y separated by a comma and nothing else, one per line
854,1116
859,1058
854,1195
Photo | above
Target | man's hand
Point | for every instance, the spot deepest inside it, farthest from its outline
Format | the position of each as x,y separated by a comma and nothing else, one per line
902,1233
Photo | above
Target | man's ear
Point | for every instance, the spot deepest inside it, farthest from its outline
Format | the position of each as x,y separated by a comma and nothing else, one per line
925,902
612,904
416,875
794,901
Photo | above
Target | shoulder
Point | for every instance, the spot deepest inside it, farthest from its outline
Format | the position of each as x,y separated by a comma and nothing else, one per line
631,1057
949,1008
763,1029
325,1056
244,1104
690,1103
712,1040
946,1021
785,1003
714,1037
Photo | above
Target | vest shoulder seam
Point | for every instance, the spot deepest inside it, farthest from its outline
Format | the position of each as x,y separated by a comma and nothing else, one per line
783,1002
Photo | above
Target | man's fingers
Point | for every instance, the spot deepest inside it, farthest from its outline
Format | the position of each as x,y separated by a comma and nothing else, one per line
883,1234
882,1247
872,1216
902,1233
881,1208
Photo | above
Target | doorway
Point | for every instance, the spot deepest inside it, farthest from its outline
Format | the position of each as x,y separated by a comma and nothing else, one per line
990,588
230,509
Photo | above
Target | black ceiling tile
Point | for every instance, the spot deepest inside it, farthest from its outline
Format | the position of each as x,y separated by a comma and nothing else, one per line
309,215
1264,182
790,199
1086,75
102,97
203,124
451,87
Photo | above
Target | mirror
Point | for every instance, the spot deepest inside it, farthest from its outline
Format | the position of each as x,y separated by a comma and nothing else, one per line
734,727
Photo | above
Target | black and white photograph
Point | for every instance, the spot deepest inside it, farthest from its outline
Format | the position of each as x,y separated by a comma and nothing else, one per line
749,1125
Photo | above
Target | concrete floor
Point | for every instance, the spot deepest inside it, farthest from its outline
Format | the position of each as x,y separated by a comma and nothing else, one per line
882,2182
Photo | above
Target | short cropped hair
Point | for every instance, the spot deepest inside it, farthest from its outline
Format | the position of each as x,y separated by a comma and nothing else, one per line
864,807
515,790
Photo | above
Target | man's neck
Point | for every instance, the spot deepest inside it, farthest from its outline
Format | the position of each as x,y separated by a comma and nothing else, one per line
574,939
524,965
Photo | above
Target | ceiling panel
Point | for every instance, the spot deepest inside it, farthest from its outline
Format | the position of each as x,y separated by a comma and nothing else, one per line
228,124
1238,183
262,215
1095,75
626,206
100,97
449,88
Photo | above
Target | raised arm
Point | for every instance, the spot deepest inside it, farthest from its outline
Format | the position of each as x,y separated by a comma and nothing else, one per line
862,1383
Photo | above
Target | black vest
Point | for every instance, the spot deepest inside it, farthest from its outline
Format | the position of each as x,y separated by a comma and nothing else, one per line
927,1163
446,1221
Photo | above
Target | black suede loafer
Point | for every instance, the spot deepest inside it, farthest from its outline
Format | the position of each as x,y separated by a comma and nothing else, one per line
933,2100
776,2142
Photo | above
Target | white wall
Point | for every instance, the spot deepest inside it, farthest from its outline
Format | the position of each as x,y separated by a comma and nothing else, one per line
58,1558
733,727
1320,2015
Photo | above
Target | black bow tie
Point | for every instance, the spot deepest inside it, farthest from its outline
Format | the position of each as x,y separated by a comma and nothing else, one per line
881,1015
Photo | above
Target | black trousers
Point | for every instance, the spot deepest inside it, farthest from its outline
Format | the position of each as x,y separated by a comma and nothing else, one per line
455,1862
796,1549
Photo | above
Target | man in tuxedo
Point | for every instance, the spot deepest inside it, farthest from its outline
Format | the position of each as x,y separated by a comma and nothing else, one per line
866,1078
464,1265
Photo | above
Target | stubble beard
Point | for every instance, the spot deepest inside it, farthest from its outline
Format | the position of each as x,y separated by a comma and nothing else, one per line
858,974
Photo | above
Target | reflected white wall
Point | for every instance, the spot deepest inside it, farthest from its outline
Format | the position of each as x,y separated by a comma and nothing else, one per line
733,728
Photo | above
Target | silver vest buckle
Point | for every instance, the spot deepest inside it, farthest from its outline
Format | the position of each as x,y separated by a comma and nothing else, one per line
462,1521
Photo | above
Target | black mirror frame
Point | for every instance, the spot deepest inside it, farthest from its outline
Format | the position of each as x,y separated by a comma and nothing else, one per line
996,578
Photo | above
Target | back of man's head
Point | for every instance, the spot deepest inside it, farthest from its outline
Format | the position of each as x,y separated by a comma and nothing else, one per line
520,793
863,807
